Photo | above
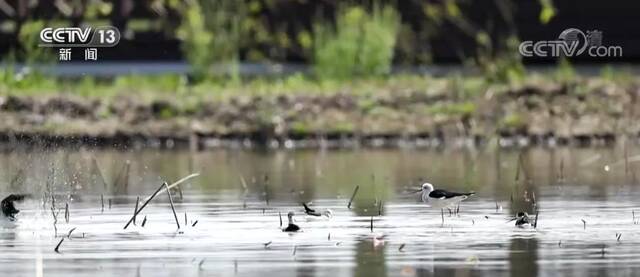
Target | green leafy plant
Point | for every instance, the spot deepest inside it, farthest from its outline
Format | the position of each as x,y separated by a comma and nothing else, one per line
360,45
212,34
29,38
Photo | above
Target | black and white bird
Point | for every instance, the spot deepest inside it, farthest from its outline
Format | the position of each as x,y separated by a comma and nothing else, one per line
9,210
315,214
441,199
292,227
438,198
522,220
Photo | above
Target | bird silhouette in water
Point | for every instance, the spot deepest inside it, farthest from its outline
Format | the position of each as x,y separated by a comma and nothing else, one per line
8,208
291,227
326,214
522,220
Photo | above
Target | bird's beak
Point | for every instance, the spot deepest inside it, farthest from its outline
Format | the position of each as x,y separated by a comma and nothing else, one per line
512,219
416,191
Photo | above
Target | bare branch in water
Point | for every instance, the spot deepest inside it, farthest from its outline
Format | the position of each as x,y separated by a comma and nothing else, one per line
355,191
171,202
71,231
54,214
176,183
135,210
66,213
371,224
145,204
57,249
162,187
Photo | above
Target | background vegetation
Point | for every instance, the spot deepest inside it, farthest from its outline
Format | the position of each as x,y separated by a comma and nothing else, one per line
340,40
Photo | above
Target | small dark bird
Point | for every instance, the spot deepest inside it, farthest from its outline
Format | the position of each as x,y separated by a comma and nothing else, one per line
312,212
8,208
291,227
522,220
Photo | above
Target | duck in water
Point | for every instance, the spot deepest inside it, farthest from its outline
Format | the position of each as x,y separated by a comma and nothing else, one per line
522,220
291,227
9,210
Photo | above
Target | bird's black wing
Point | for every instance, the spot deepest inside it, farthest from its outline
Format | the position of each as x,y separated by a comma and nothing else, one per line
8,209
310,211
522,220
291,228
439,193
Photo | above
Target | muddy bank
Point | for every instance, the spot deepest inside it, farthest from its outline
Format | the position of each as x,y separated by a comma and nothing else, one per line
584,112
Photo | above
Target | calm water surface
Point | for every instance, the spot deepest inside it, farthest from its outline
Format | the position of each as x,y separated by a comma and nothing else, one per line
585,199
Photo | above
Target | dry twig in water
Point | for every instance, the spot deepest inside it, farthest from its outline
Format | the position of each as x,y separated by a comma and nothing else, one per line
172,208
144,205
66,213
71,231
176,183
355,191
371,224
57,249
164,186
135,210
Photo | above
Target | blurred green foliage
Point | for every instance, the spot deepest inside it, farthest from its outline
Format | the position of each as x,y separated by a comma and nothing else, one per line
196,39
360,44
212,32
547,12
29,38
496,54
350,40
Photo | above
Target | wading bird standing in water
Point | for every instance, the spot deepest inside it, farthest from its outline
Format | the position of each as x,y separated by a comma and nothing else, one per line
438,198
9,210
291,227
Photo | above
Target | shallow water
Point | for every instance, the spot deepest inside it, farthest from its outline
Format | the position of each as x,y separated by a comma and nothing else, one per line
408,238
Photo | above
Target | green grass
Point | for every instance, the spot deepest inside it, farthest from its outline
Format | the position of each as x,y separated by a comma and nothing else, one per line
513,122
458,109
148,88
461,91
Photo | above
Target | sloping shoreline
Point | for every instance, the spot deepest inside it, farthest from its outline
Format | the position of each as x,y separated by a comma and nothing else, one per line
584,112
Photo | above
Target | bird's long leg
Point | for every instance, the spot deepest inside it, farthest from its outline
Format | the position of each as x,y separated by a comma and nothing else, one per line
442,213
449,211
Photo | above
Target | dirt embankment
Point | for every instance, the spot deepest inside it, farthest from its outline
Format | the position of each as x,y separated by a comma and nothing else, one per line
582,112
